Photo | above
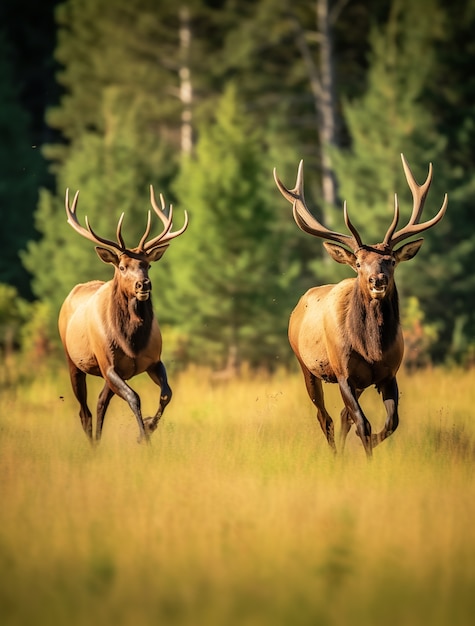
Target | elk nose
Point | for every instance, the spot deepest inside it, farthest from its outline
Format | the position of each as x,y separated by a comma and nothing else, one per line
143,285
377,280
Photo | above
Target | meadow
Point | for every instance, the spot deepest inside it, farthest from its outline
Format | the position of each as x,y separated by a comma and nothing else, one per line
237,513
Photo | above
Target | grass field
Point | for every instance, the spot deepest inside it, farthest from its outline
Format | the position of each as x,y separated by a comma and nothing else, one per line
237,514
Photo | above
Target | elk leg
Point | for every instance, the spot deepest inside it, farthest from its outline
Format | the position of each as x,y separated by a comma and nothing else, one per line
78,383
390,395
315,391
158,374
346,423
363,427
102,404
122,389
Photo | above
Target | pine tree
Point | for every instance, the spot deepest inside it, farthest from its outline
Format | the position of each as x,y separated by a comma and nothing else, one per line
230,280
113,174
394,116
390,118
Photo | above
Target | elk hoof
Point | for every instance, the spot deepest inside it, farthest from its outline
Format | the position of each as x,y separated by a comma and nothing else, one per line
143,439
151,423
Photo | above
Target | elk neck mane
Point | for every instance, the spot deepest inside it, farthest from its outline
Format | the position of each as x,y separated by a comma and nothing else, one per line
131,321
372,324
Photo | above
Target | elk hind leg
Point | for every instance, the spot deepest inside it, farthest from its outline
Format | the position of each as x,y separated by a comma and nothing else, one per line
102,403
315,391
78,383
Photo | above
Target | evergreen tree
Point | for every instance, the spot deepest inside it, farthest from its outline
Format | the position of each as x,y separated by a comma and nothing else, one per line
232,278
391,117
121,117
451,94
113,173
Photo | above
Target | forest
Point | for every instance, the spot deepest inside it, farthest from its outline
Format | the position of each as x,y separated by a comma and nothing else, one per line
203,99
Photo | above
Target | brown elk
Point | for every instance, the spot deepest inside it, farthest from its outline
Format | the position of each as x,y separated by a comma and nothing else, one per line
108,329
350,333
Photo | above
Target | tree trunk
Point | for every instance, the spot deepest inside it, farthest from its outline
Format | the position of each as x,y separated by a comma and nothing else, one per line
322,82
186,89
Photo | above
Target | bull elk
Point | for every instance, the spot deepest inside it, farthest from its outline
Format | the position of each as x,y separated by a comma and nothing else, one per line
350,333
108,329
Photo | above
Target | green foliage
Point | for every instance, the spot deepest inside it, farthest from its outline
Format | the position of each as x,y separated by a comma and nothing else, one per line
389,119
232,276
113,173
404,85
14,314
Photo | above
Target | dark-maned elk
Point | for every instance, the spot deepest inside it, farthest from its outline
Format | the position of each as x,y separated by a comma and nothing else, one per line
349,333
109,329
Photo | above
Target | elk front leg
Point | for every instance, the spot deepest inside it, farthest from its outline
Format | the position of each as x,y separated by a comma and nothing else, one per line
390,393
122,389
346,423
363,427
158,374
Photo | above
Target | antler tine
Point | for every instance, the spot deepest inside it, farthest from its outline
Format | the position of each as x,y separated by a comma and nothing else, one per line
89,233
306,221
392,228
147,231
120,239
160,212
166,235
350,226
419,193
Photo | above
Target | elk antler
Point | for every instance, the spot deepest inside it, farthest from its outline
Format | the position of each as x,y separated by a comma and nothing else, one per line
89,233
419,194
166,235
307,222
161,240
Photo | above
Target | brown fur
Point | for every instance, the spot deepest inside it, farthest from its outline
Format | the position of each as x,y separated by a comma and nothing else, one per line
372,325
106,331
350,333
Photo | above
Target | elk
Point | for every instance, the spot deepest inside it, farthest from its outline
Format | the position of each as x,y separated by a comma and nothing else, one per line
350,333
108,329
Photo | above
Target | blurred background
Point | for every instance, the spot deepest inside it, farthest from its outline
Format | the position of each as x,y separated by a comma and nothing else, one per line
203,99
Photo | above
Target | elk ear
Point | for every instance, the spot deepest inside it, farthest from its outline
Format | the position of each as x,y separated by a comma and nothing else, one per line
156,254
408,250
107,255
340,254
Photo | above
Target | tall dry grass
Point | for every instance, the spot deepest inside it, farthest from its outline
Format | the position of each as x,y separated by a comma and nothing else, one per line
237,514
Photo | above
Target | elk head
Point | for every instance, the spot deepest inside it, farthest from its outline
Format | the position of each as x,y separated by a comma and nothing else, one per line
131,264
374,264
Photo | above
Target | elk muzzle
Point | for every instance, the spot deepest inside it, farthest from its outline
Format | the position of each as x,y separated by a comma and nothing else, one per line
142,289
378,285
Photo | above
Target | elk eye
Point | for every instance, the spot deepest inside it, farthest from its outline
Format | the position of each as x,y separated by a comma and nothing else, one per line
122,268
358,264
